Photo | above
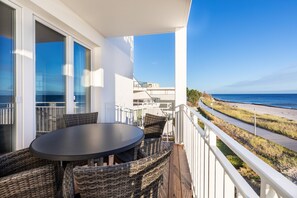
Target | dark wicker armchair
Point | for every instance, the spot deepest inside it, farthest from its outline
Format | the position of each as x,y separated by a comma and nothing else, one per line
23,175
140,178
80,118
153,125
150,146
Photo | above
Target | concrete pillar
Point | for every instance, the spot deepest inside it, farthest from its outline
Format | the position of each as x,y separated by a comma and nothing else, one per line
181,66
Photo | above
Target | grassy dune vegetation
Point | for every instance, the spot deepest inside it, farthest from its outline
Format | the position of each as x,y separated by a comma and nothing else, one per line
273,123
278,157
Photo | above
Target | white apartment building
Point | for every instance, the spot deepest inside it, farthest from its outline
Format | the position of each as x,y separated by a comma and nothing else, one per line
151,94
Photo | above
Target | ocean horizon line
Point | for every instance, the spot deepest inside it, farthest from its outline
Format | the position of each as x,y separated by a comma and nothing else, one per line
259,104
248,93
285,101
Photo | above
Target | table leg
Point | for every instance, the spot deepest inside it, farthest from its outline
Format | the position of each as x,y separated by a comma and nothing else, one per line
110,160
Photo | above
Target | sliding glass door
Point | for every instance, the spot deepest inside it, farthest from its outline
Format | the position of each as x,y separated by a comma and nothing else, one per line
82,66
50,79
7,78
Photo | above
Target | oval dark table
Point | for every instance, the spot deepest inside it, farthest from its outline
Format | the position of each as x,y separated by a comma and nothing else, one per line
85,142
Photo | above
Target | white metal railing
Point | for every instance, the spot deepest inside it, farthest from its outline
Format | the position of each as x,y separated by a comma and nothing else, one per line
124,115
136,117
212,174
49,115
6,113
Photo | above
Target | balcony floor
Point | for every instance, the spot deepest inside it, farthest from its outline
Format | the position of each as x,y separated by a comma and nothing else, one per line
177,178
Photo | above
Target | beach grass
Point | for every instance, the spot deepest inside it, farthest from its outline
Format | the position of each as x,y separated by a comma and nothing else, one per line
272,123
278,157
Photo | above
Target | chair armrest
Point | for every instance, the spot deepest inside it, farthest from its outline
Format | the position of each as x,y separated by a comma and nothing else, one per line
68,179
37,182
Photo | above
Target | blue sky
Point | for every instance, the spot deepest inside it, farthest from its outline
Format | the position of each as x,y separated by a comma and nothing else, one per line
246,46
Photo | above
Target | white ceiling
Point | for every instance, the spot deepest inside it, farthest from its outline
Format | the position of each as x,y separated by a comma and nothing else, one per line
132,17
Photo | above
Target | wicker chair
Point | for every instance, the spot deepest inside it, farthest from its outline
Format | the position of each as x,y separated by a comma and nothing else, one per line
149,146
23,175
153,125
127,156
80,118
140,178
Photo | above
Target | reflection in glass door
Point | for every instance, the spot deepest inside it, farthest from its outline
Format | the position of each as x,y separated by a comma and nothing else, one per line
50,80
7,82
82,66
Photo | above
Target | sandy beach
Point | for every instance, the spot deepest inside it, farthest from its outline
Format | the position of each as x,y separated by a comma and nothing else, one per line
262,109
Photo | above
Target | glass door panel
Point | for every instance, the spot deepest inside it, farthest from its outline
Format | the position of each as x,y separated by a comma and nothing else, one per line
50,80
7,81
82,67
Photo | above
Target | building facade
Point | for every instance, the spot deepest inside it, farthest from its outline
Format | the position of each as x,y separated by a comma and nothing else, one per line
65,56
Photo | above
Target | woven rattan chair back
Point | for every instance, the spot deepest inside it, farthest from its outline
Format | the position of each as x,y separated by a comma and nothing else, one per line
153,125
80,119
140,178
23,175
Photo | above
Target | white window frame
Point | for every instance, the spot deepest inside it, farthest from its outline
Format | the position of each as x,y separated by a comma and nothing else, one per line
17,75
69,62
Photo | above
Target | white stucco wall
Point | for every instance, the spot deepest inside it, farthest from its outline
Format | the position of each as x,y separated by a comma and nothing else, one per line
118,79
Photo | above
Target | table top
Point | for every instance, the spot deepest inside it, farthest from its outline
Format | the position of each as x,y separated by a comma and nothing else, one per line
86,141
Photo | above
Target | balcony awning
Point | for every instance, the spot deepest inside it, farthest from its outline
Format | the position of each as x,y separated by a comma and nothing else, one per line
132,17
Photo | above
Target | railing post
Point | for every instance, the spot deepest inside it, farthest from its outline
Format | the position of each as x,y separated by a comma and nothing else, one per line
194,153
266,190
211,137
229,186
182,124
179,125
176,125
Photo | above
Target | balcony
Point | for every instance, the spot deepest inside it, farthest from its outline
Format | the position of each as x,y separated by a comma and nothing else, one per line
197,167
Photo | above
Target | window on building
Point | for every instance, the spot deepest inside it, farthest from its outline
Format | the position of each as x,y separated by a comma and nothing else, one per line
50,78
82,67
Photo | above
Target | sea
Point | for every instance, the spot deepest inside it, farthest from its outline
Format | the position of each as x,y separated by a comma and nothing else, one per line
44,100
288,101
